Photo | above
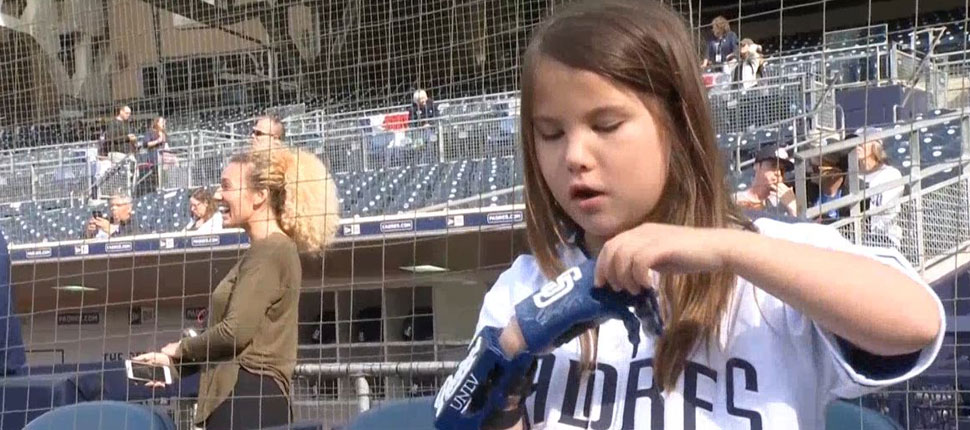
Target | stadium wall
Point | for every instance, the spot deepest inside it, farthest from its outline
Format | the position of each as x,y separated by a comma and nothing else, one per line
838,14
138,41
109,333
100,334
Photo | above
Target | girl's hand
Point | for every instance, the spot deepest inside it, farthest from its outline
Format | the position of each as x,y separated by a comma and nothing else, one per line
629,259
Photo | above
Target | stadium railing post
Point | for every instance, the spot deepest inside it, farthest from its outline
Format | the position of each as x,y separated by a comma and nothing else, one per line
854,189
917,196
362,389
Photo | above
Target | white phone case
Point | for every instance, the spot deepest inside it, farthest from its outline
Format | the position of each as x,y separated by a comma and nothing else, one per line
167,371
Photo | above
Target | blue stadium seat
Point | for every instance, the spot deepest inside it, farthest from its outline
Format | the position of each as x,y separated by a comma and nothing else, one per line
102,415
846,415
411,414
401,189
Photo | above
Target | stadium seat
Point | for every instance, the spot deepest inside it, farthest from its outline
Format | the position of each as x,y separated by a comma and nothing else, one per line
411,414
305,425
846,415
103,415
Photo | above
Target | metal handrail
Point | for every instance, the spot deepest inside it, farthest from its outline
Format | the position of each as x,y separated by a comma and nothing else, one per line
852,199
855,195
472,199
856,141
922,65
741,164
375,369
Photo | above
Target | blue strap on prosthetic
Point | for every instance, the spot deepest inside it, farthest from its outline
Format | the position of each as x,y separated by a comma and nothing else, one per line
565,307
480,384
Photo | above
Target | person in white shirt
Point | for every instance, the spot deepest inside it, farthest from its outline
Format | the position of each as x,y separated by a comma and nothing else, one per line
206,217
764,322
884,206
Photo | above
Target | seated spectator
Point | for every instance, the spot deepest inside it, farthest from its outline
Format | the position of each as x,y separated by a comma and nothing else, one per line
874,170
422,109
120,223
751,65
827,183
768,192
206,217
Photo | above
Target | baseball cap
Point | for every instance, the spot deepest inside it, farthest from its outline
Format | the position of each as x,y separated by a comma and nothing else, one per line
864,131
774,153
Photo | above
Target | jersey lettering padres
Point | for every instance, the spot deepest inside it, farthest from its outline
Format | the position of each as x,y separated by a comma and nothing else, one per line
771,368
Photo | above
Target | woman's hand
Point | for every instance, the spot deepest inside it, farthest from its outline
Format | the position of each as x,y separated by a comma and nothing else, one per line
172,350
154,359
166,357
628,260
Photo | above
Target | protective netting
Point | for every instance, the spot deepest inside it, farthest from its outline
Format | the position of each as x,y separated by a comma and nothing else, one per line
414,107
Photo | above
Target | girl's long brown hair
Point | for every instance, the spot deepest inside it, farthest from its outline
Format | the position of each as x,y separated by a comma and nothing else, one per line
644,46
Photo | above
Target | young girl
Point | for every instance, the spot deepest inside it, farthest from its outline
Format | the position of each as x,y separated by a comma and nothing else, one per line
765,322
285,200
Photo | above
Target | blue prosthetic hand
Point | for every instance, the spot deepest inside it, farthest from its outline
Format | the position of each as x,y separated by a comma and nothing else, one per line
480,385
485,379
567,306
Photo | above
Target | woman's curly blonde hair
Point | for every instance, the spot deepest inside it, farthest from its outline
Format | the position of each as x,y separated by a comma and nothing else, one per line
302,193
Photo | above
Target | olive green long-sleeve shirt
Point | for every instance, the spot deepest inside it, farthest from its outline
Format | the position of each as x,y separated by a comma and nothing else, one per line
253,323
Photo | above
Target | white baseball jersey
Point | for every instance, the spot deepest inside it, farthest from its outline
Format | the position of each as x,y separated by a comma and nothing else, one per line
772,368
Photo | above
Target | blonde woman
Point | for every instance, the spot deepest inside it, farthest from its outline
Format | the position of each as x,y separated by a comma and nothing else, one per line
285,200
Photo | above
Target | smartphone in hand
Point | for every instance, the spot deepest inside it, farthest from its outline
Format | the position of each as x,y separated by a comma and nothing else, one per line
148,373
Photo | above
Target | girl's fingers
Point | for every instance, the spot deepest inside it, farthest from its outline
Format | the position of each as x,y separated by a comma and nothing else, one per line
621,267
602,265
642,273
616,264
628,265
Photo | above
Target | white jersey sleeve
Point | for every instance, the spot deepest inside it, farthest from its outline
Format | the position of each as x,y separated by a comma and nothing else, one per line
836,374
512,286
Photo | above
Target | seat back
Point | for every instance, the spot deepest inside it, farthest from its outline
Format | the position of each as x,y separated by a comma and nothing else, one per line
846,415
411,414
102,415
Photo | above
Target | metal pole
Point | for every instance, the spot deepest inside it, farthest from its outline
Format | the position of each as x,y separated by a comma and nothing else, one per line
363,393
381,368
916,192
801,194
441,141
854,212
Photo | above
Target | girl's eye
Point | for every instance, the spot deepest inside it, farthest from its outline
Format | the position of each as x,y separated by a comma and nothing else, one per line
607,128
549,136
